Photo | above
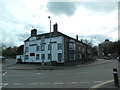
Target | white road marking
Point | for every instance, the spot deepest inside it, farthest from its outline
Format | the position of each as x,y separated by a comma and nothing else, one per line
107,70
3,85
38,73
84,72
31,83
71,82
97,81
17,83
79,65
4,73
58,83
84,82
44,83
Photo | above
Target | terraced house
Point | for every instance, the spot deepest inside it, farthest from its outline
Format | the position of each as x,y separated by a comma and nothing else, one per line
62,49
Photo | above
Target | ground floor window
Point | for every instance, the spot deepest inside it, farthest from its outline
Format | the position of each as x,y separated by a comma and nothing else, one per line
37,56
71,56
26,57
49,56
59,56
42,56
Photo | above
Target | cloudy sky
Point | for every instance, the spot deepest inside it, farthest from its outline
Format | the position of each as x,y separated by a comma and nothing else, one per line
91,19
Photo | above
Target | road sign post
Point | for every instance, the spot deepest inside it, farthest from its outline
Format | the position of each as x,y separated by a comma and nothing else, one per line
116,81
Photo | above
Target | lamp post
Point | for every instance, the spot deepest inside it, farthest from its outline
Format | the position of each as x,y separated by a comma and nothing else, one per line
91,48
50,40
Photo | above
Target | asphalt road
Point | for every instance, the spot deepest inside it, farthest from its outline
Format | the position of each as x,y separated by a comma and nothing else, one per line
80,77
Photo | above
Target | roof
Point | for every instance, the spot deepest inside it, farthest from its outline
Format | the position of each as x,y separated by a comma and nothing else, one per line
54,34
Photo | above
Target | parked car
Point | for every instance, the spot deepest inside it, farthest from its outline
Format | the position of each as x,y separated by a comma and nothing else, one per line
2,59
106,57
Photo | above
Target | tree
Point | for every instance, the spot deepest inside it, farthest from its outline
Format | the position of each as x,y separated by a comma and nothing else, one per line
20,49
115,48
95,50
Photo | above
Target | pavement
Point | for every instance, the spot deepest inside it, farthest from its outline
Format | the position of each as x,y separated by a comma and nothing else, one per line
105,85
15,66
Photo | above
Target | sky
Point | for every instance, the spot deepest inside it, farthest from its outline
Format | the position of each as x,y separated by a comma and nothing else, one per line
92,20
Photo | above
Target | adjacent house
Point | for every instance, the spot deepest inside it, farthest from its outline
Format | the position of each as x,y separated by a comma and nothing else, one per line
62,49
103,48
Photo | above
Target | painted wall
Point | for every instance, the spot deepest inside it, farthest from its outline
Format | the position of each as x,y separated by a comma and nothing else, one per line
32,49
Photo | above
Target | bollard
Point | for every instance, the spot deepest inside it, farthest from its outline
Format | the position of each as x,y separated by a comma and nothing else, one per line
116,81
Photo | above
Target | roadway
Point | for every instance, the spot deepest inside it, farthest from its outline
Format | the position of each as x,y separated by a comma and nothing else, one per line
83,76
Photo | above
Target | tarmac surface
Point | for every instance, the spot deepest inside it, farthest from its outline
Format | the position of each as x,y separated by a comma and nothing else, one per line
106,85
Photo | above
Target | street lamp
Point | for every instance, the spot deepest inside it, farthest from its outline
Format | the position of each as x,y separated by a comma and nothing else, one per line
50,39
91,47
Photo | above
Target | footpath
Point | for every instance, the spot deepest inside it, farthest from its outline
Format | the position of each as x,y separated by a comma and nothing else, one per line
15,66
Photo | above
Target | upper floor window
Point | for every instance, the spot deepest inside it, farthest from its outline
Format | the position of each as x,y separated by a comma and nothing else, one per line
71,46
26,49
79,48
59,46
37,48
50,46
42,47
83,50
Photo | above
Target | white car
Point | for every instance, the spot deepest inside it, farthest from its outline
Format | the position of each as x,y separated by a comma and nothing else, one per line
2,59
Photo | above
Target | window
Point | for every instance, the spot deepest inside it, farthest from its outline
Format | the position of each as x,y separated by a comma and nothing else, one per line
83,50
79,48
42,47
59,56
71,46
49,47
71,56
32,54
26,49
49,56
37,57
42,56
37,48
59,46
26,57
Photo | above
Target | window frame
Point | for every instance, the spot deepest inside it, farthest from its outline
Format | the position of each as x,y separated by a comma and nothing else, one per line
37,56
59,46
42,56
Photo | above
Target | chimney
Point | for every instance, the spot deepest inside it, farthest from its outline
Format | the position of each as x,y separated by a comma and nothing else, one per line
55,27
77,37
33,32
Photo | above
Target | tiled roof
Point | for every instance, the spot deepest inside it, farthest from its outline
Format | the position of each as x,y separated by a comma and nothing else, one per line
54,34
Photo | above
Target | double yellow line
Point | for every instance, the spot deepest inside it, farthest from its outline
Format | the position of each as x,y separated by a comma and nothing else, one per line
100,84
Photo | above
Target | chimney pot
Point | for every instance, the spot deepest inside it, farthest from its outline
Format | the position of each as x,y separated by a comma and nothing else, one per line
33,32
77,37
55,27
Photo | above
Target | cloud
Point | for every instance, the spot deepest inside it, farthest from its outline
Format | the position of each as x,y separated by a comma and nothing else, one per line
59,8
16,20
69,8
19,16
104,7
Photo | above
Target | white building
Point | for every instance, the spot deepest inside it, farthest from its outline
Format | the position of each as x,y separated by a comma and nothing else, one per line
64,49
